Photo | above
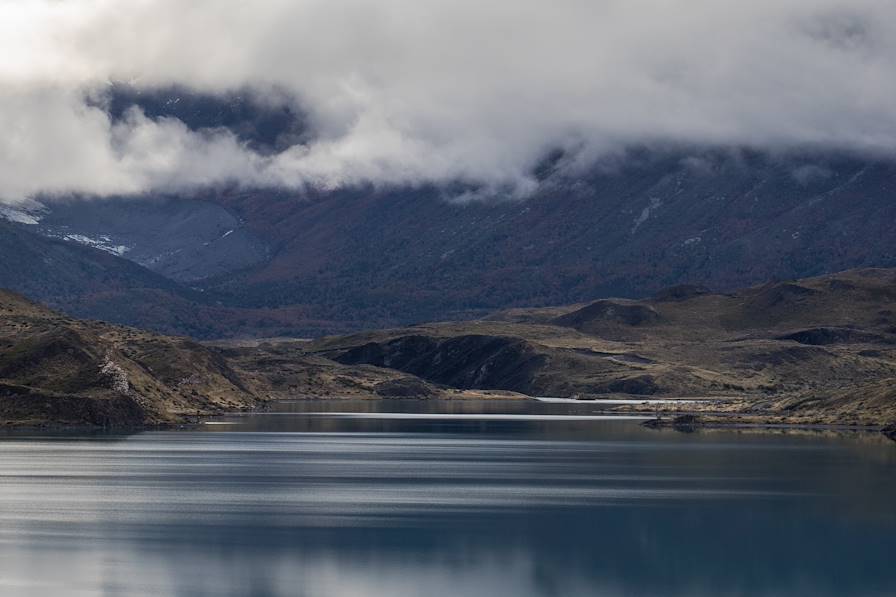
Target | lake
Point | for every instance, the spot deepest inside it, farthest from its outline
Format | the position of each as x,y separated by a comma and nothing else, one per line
407,498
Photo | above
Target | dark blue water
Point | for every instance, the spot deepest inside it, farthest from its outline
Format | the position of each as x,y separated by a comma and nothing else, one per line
331,503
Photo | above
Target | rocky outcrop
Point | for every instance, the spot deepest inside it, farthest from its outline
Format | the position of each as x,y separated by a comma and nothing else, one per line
405,387
466,361
832,335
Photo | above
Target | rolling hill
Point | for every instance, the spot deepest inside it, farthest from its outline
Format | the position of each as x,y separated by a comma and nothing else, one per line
818,351
61,371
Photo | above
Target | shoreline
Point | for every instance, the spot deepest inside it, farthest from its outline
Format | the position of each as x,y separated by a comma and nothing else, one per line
684,421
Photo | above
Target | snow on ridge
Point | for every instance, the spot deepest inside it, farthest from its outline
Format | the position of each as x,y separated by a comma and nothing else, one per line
19,216
655,203
103,243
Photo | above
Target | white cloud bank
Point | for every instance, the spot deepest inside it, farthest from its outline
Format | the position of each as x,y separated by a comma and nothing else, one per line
434,90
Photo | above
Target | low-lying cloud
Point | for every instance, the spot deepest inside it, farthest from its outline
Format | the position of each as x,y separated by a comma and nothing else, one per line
400,92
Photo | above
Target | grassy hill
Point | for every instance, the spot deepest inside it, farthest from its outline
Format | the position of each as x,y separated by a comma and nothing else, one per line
814,351
817,350
61,371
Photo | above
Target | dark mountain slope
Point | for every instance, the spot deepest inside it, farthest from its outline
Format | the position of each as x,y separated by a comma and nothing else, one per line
724,221
83,281
182,239
317,262
628,226
70,275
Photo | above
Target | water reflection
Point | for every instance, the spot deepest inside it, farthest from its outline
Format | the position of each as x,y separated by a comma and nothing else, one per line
373,506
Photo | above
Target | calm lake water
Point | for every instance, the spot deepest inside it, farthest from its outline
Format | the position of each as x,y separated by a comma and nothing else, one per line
344,499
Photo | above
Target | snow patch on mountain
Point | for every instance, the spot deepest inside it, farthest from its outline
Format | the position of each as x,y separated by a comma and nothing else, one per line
20,216
103,243
655,202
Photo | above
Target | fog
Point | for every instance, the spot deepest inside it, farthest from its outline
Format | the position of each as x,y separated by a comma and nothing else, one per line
433,91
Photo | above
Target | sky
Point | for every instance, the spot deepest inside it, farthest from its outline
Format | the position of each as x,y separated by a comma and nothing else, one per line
433,91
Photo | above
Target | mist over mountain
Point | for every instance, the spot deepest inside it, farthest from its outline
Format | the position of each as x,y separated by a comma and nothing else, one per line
357,166
244,262
264,123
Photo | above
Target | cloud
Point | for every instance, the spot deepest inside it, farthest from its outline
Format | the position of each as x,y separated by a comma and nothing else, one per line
401,92
54,143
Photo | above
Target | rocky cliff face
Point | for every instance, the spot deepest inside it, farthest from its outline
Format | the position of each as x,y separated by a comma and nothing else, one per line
463,362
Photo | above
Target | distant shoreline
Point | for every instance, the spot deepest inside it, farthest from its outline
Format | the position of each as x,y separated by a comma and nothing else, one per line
681,421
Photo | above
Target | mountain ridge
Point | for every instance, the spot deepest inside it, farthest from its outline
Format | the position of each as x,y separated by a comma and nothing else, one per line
313,262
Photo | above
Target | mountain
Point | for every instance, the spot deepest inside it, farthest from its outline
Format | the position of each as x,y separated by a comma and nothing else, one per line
87,281
260,262
82,280
394,257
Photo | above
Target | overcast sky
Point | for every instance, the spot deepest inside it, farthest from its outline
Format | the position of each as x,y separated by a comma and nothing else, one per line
403,91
